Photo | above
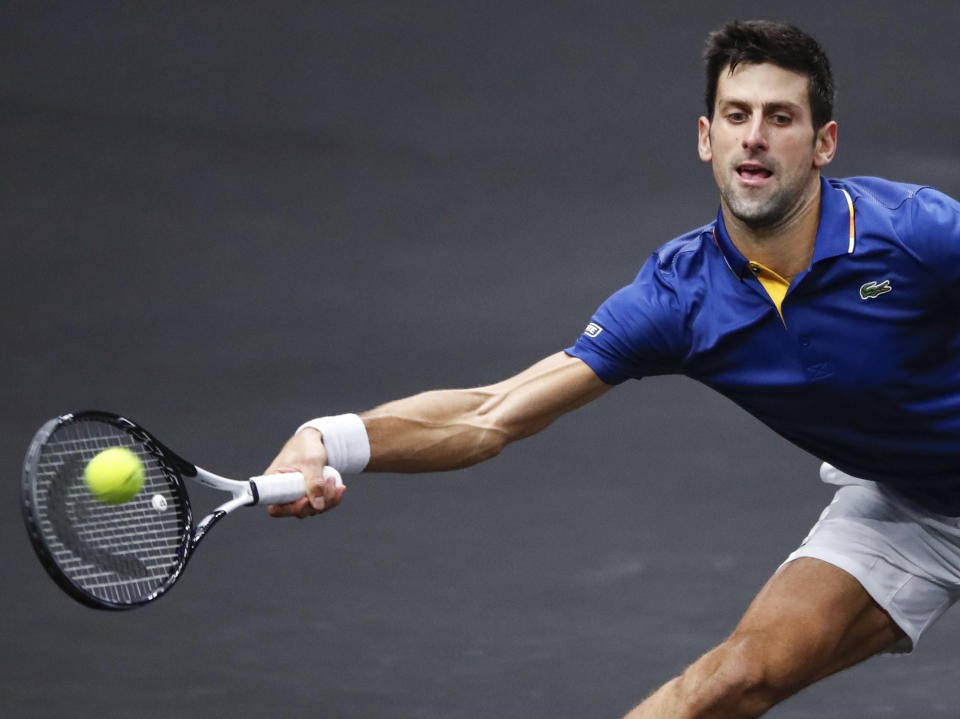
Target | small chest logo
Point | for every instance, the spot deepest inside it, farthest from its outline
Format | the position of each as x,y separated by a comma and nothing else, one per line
593,330
872,290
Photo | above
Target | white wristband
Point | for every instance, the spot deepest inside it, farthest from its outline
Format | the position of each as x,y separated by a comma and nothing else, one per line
345,439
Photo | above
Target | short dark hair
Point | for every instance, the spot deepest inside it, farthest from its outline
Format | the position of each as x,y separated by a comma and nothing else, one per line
759,41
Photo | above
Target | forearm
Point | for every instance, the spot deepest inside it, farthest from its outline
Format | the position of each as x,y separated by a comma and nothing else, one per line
449,429
438,430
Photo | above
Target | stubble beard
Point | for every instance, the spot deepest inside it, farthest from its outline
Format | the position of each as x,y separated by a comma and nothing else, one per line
759,212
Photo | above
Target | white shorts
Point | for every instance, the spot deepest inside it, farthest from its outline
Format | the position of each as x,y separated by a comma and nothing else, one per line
907,558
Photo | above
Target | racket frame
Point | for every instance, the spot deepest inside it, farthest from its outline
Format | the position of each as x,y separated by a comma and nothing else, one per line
268,489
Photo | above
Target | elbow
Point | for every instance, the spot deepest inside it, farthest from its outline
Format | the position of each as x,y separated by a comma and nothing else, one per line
486,444
494,442
500,428
483,446
496,435
495,423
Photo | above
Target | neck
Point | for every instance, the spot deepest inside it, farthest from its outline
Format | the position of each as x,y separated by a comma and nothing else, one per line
785,247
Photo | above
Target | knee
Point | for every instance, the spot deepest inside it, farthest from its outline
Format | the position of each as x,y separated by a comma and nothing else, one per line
743,677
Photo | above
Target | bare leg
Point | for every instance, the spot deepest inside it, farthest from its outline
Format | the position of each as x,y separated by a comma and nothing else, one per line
809,621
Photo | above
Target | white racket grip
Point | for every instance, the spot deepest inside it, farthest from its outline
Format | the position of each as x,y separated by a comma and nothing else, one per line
278,488
287,487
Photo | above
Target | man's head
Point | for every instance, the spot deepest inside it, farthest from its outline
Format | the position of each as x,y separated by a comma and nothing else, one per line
760,41
768,131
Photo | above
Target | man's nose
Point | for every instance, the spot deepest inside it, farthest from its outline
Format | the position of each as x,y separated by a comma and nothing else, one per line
755,137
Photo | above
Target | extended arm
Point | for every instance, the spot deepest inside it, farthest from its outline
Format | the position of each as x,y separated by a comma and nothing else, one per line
447,429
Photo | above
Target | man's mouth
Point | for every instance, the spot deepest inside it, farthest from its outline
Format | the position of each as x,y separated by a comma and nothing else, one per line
751,172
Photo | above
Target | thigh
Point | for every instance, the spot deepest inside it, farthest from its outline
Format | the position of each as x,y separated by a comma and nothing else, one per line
811,620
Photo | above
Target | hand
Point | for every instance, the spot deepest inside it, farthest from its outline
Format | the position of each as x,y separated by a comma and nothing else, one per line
305,453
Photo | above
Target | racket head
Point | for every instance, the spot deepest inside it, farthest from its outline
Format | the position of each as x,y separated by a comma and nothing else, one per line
106,556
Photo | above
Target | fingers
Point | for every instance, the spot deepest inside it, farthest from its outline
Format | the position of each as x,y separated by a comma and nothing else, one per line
305,453
299,508
322,495
328,493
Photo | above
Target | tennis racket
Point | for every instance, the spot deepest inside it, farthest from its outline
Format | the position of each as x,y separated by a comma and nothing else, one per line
122,556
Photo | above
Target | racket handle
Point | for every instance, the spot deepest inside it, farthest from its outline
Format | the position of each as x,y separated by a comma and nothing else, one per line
283,488
278,488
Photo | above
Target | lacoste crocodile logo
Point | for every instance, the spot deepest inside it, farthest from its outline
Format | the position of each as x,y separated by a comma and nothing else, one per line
872,290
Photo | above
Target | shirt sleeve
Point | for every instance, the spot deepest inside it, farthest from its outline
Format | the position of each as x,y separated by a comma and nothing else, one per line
636,332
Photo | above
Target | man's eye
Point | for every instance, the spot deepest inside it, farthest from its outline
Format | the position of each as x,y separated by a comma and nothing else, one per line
737,117
782,119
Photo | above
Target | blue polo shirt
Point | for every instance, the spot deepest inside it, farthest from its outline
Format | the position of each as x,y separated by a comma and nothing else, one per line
862,369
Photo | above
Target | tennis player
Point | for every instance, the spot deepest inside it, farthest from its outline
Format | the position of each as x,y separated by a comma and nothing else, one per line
827,309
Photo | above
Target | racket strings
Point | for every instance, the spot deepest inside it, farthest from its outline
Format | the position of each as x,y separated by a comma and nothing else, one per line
118,553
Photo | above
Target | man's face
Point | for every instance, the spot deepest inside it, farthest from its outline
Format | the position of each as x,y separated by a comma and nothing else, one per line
765,155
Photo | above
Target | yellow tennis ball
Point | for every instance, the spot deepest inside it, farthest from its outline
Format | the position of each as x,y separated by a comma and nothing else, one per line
114,476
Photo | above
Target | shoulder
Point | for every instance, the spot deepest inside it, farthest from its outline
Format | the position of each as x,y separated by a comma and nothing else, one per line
672,281
668,279
896,198
671,274
683,253
920,220
910,212
877,191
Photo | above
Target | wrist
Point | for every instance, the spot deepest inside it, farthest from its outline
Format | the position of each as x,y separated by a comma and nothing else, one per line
345,440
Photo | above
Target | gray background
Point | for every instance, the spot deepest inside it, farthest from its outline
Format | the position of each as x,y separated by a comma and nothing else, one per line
223,218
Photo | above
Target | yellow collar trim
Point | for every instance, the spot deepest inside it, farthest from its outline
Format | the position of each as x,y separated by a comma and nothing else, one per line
775,285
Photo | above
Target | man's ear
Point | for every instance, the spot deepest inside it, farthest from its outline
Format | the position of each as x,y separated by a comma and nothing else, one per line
703,140
826,145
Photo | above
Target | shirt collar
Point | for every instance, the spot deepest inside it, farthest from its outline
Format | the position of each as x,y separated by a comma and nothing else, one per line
834,232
